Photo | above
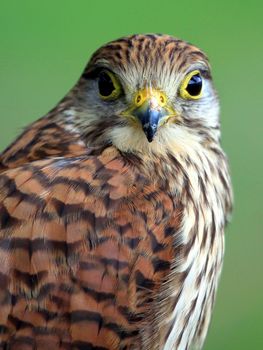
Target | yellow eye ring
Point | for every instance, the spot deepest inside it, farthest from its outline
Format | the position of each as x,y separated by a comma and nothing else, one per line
191,87
109,86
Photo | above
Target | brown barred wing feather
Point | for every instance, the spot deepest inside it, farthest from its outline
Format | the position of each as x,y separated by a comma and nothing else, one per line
45,138
84,250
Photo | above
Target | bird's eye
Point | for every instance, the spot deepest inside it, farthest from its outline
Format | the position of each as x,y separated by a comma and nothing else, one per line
109,86
191,87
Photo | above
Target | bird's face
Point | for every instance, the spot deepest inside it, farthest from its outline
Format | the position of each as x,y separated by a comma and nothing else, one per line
147,92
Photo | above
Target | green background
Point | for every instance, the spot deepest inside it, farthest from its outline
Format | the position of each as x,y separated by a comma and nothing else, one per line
44,46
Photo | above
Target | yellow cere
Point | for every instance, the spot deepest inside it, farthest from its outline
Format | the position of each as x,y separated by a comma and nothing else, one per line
183,92
146,94
150,97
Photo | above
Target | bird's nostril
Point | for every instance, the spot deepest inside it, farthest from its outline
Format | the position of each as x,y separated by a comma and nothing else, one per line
138,99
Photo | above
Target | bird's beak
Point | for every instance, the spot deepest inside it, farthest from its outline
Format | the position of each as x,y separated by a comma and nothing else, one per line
151,109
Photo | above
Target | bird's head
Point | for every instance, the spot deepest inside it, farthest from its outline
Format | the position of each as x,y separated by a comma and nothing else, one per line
146,93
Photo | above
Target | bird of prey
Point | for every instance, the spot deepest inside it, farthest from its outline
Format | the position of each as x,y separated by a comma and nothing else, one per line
113,207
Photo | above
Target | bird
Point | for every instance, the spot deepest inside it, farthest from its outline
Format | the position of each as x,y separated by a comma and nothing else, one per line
113,206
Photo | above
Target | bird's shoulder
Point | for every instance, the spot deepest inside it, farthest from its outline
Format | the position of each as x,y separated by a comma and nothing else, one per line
44,138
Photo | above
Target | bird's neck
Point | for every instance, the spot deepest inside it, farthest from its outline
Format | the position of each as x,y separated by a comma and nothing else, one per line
199,174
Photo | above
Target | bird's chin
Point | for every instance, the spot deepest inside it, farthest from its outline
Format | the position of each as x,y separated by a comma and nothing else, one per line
130,138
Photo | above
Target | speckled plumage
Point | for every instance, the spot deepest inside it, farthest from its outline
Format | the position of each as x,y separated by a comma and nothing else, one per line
108,241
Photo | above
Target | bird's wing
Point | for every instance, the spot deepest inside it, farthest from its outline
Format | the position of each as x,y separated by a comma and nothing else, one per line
85,245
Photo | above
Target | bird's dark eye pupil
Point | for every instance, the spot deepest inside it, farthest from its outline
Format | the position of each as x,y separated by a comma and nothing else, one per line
194,86
105,83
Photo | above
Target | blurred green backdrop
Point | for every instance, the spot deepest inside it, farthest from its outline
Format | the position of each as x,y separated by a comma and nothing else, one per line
44,46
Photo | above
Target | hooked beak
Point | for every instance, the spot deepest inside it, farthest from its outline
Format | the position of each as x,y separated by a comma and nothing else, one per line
151,109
